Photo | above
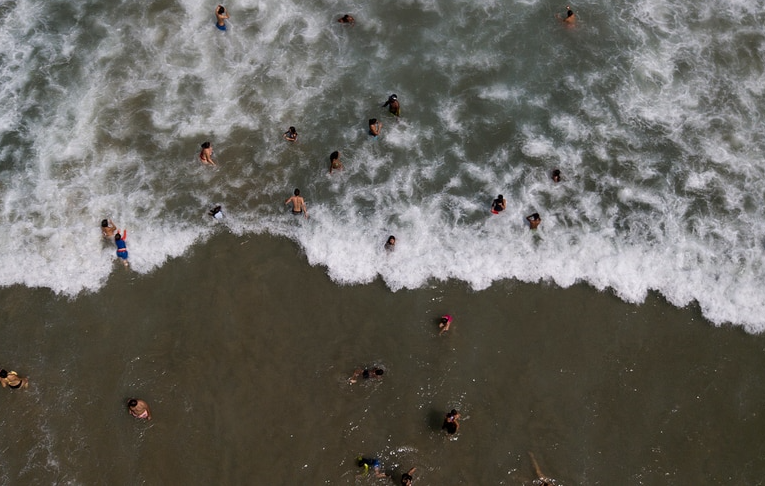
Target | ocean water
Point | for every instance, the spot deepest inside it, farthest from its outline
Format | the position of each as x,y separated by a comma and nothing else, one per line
652,112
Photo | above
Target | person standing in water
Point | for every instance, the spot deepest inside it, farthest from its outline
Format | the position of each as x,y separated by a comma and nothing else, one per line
221,15
374,127
334,161
555,176
298,204
12,380
393,105
205,156
290,135
139,409
498,205
533,220
390,245
451,422
406,478
445,323
122,252
108,228
570,16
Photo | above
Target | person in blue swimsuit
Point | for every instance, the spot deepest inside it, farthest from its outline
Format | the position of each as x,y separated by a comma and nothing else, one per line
122,252
221,15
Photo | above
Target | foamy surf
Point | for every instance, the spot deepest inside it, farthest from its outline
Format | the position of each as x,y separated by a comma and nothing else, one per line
658,141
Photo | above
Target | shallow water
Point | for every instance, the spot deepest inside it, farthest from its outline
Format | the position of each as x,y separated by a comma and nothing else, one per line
247,382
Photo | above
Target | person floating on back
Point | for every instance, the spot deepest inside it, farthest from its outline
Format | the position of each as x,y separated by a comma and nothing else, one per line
498,205
290,135
221,15
533,220
12,380
122,252
393,105
205,156
298,204
334,161
347,19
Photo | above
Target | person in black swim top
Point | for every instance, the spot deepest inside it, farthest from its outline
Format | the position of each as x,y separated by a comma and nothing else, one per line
451,423
12,380
498,205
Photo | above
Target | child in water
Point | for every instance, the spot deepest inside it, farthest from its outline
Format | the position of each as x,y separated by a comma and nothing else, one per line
122,252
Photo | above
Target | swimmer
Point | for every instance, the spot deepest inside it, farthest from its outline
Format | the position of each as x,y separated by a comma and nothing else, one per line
543,480
570,16
334,161
298,204
555,176
406,478
347,19
12,380
366,374
290,135
206,154
374,127
533,220
108,228
139,409
221,15
370,463
451,423
498,205
445,323
393,105
122,252
216,212
390,245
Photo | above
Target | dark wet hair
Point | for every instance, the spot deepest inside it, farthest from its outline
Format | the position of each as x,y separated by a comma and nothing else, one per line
372,121
379,372
117,236
334,155
391,237
393,97
292,130
222,10
104,223
570,12
444,320
500,197
3,374
297,191
206,145
453,412
132,402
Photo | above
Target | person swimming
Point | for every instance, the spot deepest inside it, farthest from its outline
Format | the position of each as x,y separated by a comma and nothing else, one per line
216,212
373,464
366,374
347,19
498,205
12,380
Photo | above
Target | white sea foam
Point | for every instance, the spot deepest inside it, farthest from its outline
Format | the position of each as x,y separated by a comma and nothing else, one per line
658,141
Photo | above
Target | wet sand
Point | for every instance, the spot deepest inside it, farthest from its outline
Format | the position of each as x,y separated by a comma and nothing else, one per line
243,351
